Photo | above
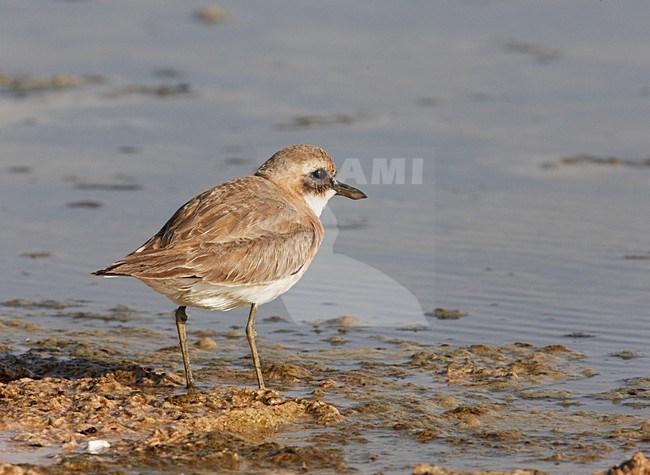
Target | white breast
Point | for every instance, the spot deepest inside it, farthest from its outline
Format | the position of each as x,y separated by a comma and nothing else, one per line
318,202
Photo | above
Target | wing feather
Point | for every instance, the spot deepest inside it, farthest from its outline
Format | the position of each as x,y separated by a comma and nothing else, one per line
245,231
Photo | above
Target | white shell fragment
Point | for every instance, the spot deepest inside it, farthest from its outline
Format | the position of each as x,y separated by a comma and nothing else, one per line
96,446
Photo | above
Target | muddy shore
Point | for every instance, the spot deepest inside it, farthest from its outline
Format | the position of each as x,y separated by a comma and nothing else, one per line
100,401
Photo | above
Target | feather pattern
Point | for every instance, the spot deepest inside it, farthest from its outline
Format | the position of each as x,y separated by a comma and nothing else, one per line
243,232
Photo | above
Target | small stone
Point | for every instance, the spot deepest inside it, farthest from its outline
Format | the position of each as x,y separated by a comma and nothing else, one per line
625,354
579,335
273,319
448,402
471,422
36,254
446,314
337,340
318,393
97,446
645,429
206,344
210,15
85,204
329,383
344,321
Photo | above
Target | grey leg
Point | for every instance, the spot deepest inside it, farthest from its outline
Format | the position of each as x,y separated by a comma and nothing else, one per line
250,335
181,318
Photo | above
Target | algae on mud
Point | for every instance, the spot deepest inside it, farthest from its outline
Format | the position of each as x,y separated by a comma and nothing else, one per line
141,415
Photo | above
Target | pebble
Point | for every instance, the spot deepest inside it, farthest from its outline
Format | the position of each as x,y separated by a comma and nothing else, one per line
97,446
206,344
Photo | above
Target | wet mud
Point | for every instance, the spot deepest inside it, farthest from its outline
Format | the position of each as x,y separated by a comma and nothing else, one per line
305,121
587,159
540,54
21,86
637,465
109,400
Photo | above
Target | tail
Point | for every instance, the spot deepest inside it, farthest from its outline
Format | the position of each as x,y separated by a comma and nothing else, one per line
110,271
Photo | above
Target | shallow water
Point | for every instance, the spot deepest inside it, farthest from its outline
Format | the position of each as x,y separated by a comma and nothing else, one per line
490,95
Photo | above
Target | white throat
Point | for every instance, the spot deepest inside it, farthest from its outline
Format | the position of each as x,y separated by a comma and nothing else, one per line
317,203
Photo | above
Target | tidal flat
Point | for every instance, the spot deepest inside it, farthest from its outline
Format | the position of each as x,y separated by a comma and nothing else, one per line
484,310
336,408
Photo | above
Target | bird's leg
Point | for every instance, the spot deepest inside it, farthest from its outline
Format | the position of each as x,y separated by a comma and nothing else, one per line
181,318
250,335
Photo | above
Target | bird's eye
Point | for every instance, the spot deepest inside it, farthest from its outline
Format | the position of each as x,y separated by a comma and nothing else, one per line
319,174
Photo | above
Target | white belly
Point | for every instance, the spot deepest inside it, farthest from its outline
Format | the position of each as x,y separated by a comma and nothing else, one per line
199,293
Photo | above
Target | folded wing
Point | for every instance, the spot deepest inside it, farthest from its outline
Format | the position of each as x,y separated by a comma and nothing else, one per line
245,231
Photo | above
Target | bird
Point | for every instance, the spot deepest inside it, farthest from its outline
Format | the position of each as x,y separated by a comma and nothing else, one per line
242,243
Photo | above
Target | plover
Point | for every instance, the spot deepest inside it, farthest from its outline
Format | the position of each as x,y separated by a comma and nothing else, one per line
242,243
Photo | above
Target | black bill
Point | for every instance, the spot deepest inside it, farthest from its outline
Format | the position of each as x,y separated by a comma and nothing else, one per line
348,191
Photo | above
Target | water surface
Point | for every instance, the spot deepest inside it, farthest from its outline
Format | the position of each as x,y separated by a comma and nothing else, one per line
491,95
